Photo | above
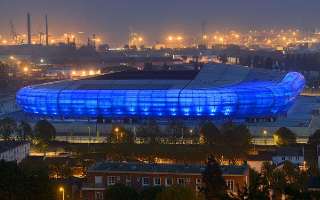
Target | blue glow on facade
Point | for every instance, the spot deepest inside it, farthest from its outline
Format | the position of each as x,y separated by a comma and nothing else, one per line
243,100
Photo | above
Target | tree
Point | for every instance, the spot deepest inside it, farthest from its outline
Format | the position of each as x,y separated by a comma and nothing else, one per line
150,193
287,180
176,193
26,181
284,136
210,133
7,127
236,140
255,189
214,184
120,135
25,131
121,192
44,133
150,129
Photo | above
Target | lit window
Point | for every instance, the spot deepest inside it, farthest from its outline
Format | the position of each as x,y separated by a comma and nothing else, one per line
145,181
111,180
230,185
156,181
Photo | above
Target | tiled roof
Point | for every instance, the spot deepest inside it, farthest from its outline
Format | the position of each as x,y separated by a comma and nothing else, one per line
162,168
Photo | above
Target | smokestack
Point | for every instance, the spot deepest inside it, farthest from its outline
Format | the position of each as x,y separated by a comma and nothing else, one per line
29,27
47,31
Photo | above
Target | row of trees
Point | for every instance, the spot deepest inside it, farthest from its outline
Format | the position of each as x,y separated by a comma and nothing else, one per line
43,130
123,192
25,182
42,134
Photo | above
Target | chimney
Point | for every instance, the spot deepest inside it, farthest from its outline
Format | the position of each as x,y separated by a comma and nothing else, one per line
47,31
29,27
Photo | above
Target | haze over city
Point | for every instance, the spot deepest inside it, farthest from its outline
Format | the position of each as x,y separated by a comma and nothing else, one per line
155,19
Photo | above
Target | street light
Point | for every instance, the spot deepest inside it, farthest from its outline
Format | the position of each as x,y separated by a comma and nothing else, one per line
265,133
61,189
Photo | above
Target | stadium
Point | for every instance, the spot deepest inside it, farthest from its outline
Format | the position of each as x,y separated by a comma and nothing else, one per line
217,91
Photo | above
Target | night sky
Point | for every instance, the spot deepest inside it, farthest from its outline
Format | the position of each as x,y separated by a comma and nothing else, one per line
157,18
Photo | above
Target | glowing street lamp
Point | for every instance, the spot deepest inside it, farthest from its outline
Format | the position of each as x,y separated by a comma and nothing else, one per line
170,38
116,129
61,189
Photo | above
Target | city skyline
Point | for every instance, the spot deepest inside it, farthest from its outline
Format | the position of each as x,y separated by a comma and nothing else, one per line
112,20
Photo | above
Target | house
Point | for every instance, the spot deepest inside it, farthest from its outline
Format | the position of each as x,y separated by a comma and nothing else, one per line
256,162
14,150
313,184
293,154
139,175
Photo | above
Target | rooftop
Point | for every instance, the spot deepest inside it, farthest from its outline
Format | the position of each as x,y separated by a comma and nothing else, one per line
7,145
289,151
147,75
162,168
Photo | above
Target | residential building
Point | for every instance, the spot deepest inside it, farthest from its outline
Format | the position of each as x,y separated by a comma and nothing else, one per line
139,175
14,150
293,154
256,161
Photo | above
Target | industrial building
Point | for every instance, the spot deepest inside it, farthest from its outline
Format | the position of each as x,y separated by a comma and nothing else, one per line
216,91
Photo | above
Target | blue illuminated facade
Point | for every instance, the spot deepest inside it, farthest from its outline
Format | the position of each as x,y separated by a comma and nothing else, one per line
241,100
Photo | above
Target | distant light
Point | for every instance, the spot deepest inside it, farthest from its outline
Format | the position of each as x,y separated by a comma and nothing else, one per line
205,37
140,39
42,60
73,72
25,69
4,41
170,38
91,72
179,38
12,57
